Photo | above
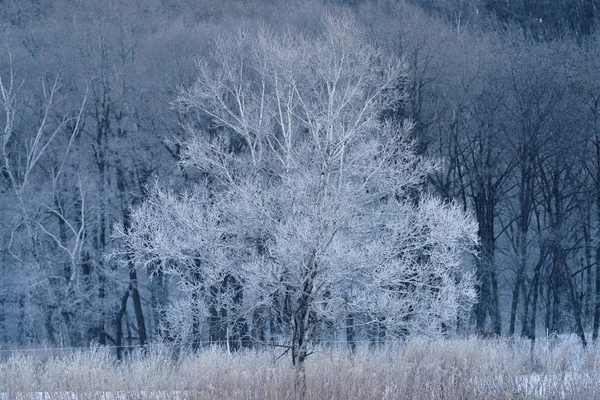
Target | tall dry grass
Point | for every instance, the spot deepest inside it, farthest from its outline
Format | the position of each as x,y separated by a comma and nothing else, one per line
419,369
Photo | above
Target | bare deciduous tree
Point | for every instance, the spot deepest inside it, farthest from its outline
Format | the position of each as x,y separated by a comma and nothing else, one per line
306,194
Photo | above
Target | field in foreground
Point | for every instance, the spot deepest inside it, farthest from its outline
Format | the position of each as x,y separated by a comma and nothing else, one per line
419,369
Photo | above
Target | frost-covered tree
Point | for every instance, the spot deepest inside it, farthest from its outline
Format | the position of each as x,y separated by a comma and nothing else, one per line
306,197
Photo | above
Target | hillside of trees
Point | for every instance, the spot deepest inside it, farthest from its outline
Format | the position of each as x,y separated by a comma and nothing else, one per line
503,96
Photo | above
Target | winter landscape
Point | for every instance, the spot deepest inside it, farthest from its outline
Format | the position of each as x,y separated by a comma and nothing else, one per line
371,199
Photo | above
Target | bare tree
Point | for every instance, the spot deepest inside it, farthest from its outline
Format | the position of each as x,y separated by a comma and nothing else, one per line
307,194
26,150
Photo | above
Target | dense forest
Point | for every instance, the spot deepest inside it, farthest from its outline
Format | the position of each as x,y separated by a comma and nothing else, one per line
505,94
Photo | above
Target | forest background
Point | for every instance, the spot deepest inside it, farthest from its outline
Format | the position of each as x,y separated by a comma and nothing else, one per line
507,94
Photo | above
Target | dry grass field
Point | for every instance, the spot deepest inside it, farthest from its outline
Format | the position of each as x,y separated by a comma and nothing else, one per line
419,369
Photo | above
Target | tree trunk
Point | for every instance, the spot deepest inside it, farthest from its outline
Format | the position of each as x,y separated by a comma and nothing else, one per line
21,324
486,269
218,316
597,302
575,304
556,280
298,305
496,317
50,331
526,200
99,328
587,268
515,302
133,281
526,306
119,326
4,337
299,351
300,381
548,315
158,300
532,324
299,320
351,332
137,306
529,326
482,286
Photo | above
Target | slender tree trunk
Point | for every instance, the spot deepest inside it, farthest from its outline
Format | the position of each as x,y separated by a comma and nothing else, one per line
526,306
556,280
50,331
3,320
529,326
519,283
258,327
119,325
596,323
597,302
218,316
515,302
486,268
133,281
351,332
548,314
496,316
21,325
137,307
482,286
575,304
3,332
101,243
100,328
532,323
197,323
159,295
526,205
587,270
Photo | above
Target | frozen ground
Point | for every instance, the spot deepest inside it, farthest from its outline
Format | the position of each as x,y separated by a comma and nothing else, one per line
532,386
158,395
418,369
